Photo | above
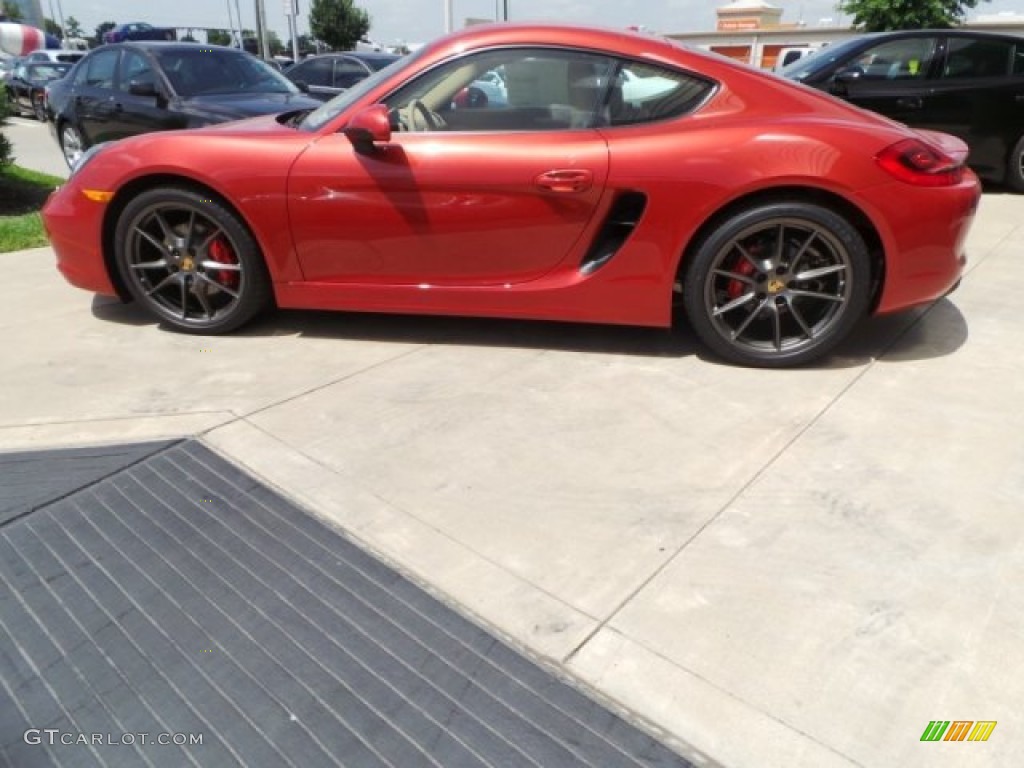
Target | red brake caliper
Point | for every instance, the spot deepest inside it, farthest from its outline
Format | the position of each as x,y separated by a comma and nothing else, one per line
736,288
220,252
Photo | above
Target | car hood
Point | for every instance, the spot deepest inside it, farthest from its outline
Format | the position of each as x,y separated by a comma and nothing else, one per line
234,106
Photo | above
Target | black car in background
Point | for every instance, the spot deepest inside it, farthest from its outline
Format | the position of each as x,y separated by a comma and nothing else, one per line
26,85
969,84
124,89
327,75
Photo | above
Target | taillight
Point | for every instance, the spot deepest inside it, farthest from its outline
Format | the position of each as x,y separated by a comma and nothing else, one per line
915,162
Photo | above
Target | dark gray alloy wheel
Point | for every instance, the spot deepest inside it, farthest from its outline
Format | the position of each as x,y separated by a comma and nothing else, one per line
777,285
190,261
71,144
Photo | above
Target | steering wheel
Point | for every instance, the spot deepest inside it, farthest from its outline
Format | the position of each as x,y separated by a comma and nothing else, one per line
431,121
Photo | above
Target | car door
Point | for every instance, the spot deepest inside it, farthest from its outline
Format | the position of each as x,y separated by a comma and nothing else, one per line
135,113
459,196
892,78
318,75
349,71
979,96
93,95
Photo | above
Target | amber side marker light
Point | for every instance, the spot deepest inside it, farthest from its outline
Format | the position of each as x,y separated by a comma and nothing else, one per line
920,164
98,195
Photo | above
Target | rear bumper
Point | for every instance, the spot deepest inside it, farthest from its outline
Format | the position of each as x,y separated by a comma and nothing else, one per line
925,243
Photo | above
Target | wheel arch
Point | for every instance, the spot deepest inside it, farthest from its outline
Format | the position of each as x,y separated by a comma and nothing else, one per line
136,187
797,194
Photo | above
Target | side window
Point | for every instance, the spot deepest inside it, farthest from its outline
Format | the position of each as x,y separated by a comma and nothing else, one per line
969,58
1018,60
644,93
134,66
906,59
348,72
313,72
538,90
100,69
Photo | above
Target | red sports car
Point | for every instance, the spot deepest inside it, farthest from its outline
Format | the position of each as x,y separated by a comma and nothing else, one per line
621,174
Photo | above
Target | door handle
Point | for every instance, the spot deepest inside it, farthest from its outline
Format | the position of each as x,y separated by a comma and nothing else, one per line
910,102
568,180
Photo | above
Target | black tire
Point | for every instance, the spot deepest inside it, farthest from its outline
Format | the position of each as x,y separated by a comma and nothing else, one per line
71,144
190,261
38,108
1015,167
744,300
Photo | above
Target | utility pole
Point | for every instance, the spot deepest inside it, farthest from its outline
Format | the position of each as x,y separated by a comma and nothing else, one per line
262,41
448,23
291,8
231,21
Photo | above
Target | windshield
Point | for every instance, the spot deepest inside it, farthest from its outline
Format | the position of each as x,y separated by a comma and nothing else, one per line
330,110
205,71
802,69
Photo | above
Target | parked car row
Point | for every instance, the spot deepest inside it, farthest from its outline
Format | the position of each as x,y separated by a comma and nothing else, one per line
124,89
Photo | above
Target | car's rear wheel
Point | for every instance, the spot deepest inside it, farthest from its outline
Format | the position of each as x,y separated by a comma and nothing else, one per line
777,285
1015,167
38,107
190,261
71,144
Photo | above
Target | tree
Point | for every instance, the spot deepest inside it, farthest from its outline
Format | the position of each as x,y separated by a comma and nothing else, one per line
12,11
106,26
73,27
274,43
339,23
306,45
218,37
51,27
883,15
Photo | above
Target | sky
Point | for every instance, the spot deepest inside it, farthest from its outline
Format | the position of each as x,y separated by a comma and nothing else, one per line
412,21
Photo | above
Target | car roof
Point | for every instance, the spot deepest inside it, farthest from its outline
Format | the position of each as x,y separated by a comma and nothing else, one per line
170,45
368,55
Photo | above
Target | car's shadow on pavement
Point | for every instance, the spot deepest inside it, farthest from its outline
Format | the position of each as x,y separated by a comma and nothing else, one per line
914,335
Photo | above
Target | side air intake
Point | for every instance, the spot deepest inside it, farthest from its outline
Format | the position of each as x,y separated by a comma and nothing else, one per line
622,219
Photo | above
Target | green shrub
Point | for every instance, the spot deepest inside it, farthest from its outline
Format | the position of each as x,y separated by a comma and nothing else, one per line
6,148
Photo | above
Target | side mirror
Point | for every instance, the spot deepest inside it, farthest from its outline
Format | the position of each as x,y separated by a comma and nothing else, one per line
302,85
369,129
849,75
143,88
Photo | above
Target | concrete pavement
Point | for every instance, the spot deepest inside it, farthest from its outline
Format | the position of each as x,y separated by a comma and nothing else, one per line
797,568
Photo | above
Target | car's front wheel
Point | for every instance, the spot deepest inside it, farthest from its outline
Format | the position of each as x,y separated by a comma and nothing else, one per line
71,144
1015,167
190,261
38,107
777,285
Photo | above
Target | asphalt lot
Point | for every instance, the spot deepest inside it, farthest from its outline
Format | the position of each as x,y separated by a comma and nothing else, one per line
788,568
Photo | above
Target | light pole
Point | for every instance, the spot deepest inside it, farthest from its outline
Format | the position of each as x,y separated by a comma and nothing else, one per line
448,24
